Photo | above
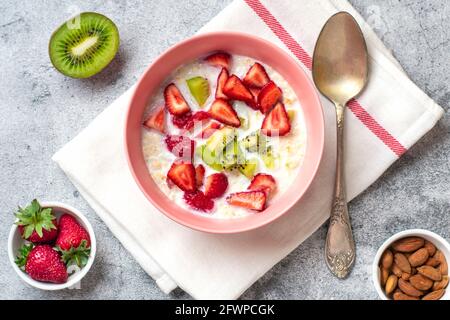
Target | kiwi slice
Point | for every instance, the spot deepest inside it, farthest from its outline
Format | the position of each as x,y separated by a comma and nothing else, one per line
248,168
254,142
211,159
268,158
199,88
232,156
83,46
221,138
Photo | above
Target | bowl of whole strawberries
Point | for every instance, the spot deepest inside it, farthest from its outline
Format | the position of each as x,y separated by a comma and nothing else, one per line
412,265
51,245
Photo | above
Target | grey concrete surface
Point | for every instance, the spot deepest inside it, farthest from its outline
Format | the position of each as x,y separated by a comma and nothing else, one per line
40,110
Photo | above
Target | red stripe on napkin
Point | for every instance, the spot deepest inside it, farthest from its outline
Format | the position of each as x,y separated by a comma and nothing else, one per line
376,128
276,27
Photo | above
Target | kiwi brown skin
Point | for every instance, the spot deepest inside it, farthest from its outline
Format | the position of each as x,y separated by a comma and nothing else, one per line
102,60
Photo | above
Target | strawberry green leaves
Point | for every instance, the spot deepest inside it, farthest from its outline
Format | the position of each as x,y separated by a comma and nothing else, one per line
76,256
22,256
35,218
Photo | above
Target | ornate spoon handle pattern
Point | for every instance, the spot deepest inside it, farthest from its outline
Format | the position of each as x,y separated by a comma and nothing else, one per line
340,246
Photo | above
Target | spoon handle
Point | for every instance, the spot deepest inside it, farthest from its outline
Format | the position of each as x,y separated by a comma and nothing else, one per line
340,246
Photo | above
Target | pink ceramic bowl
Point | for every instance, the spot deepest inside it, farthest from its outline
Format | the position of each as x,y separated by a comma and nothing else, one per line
234,43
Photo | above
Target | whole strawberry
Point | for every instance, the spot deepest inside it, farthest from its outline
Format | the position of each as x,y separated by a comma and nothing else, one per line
42,263
37,224
73,241
71,233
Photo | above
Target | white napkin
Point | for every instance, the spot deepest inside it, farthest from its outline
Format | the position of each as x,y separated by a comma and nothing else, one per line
392,109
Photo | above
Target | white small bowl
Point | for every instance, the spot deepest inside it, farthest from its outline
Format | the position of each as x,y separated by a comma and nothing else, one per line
438,241
15,241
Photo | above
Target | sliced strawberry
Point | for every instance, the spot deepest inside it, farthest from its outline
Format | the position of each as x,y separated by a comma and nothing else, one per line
198,201
181,121
183,175
219,59
209,130
174,101
222,111
263,182
199,116
216,185
221,80
235,89
256,76
255,200
276,122
156,120
181,146
199,174
268,96
255,92
253,104
169,182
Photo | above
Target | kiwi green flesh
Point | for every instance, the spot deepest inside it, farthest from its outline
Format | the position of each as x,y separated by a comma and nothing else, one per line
199,88
83,51
223,151
254,142
248,168
210,158
268,158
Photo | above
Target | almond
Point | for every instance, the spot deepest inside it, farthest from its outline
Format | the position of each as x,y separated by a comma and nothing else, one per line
406,276
435,295
443,266
408,289
402,262
409,244
432,262
430,248
441,284
420,282
384,274
387,258
430,273
438,255
391,284
419,257
402,296
396,270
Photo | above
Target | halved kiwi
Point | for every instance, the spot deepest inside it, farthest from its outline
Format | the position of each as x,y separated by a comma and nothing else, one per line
83,46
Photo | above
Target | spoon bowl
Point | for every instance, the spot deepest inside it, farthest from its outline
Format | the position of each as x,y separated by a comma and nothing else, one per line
340,64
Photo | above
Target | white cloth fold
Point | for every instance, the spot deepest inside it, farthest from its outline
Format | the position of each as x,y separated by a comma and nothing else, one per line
224,266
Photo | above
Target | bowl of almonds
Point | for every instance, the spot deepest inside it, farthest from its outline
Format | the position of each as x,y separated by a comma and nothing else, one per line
412,265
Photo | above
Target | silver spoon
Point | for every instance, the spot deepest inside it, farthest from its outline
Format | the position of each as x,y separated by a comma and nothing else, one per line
340,73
